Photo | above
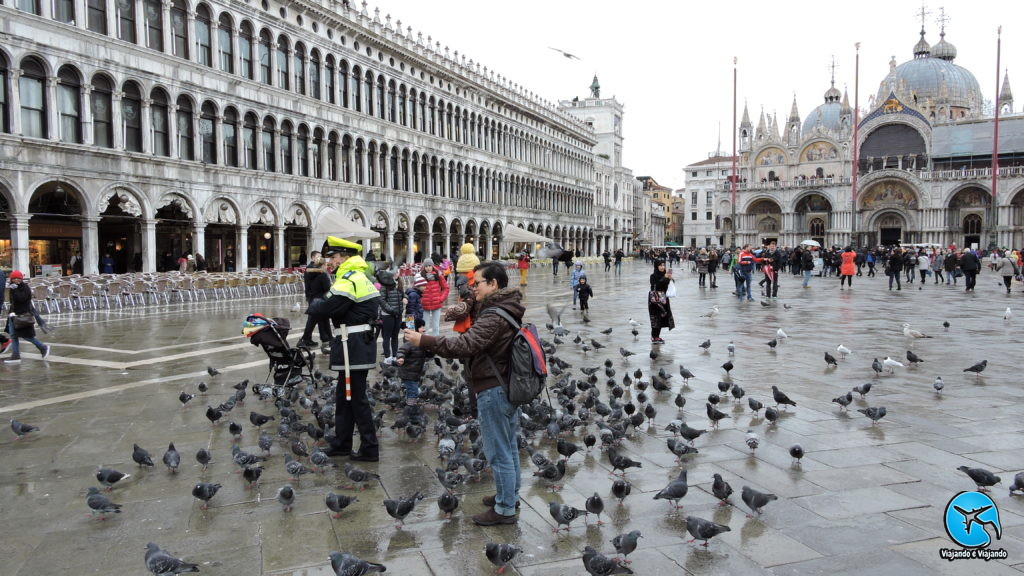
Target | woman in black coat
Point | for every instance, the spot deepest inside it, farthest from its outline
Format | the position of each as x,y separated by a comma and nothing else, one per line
317,283
21,303
659,308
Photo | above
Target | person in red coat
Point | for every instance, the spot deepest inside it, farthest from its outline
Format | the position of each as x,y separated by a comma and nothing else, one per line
434,295
848,267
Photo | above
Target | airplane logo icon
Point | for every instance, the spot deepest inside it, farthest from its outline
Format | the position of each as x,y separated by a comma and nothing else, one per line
968,517
971,517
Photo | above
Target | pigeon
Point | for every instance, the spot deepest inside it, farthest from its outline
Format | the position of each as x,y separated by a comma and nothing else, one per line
243,458
978,368
109,477
348,565
555,313
721,490
620,462
448,502
945,324
163,564
702,529
754,404
295,468
737,391
235,429
185,398
141,456
843,351
202,387
787,306
686,374
321,460
401,507
765,303
771,415
781,398
171,458
501,555
213,414
212,371
938,385
714,414
914,359
731,348
891,364
20,429
863,389
981,477
843,400
1008,314
258,420
251,475
265,442
203,457
626,353
98,503
1018,483
876,413
595,505
625,544
772,343
797,452
674,491
680,449
752,440
606,332
876,366
728,366
621,488
711,313
566,448
911,333
756,500
552,473
338,502
564,514
205,491
780,334
830,360
597,564
286,496
706,345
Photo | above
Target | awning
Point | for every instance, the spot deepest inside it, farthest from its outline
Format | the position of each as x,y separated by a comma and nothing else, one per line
332,223
517,234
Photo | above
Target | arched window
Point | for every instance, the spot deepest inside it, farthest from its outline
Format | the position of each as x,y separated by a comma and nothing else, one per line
282,62
357,89
97,16
346,162
225,48
69,105
179,28
126,20
64,11
343,83
392,103
403,103
314,73
184,124
299,68
245,51
358,161
160,122
368,93
371,164
208,138
131,117
817,227
268,146
229,137
972,225
102,115
154,14
249,132
264,57
285,145
5,115
380,97
30,6
314,153
332,154
302,150
329,79
204,41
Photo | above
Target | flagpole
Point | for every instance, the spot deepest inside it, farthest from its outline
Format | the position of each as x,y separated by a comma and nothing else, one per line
733,179
856,160
993,209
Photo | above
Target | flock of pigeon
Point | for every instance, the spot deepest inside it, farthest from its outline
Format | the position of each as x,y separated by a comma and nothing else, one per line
591,404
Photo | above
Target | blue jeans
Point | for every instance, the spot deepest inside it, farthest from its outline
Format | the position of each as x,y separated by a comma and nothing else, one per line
499,426
412,389
16,353
575,294
618,267
746,283
807,277
432,318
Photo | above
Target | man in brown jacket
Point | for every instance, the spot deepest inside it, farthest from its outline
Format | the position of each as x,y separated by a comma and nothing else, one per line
489,336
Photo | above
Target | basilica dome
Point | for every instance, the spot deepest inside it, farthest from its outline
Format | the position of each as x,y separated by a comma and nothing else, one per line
932,77
828,113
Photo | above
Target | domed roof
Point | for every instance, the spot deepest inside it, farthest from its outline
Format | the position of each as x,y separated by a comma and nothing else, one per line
944,50
921,48
936,79
829,113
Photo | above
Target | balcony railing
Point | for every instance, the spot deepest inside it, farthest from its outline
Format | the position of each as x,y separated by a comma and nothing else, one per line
928,175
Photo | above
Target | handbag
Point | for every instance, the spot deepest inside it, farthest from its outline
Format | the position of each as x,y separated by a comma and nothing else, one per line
24,320
671,291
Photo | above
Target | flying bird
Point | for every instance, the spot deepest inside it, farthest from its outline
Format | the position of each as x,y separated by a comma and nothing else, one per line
566,54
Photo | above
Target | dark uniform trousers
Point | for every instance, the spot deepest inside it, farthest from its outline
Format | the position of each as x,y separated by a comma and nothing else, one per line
355,413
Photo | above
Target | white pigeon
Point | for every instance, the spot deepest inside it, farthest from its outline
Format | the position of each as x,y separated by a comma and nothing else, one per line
891,364
843,350
710,313
634,323
731,348
1007,314
752,440
911,333
938,385
780,334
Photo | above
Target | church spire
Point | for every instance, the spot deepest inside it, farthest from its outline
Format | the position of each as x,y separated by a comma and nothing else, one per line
595,88
1005,95
793,113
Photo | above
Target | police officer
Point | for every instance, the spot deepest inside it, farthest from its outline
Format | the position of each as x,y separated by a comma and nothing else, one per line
352,303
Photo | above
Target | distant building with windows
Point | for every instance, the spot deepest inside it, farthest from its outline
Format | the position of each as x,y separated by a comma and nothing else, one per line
658,200
704,181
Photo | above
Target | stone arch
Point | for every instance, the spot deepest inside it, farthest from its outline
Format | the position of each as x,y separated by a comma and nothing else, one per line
358,216
53,197
888,192
262,212
222,210
297,214
130,199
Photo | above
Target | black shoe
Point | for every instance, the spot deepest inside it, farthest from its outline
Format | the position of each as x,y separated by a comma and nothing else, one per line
305,344
358,456
335,451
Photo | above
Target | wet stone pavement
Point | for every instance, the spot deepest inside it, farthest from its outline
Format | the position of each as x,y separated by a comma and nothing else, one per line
865,500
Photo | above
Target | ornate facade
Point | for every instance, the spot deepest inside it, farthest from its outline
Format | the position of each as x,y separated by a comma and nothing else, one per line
924,170
146,128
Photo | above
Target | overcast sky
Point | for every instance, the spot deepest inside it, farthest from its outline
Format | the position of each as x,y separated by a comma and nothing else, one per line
670,63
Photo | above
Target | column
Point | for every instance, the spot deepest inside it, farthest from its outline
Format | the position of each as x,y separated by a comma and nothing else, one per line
242,248
447,239
172,130
389,245
52,112
19,242
111,12
165,19
116,118
199,238
220,151
279,247
149,245
85,105
14,99
488,247
410,249
190,29
140,22
147,126
81,14
90,245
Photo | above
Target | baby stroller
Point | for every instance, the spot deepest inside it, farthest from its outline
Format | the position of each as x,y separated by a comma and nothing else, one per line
289,367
